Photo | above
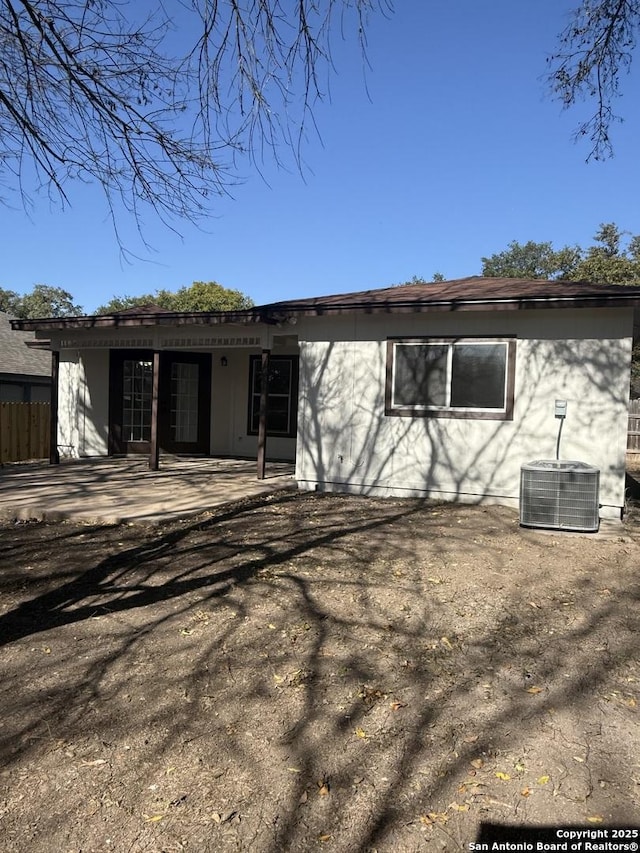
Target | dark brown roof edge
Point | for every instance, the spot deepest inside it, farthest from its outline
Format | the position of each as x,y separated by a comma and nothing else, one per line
458,295
165,318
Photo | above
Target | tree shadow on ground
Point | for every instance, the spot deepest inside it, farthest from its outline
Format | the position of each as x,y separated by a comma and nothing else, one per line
307,670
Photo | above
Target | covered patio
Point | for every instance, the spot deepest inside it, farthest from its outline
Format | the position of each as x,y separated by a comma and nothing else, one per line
112,491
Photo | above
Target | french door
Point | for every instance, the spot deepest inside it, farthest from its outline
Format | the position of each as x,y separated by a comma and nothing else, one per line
184,401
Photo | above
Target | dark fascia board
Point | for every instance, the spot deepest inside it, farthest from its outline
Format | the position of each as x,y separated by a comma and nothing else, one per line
170,318
283,312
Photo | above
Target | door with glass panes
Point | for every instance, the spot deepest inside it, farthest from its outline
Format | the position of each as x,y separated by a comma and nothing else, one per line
184,402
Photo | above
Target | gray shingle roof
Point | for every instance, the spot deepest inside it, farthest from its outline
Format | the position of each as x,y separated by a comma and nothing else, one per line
16,357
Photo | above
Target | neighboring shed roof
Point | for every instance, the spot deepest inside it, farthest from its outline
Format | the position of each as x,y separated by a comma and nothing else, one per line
16,357
476,293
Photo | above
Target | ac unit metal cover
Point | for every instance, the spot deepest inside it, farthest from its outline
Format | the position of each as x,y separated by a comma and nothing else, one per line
561,495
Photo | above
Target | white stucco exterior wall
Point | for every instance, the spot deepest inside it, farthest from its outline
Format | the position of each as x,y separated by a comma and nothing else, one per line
345,441
68,442
83,403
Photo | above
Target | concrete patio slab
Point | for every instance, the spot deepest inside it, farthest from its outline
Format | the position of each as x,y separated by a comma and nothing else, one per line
112,491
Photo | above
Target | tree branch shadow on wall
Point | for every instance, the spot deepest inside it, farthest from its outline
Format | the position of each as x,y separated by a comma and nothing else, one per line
345,667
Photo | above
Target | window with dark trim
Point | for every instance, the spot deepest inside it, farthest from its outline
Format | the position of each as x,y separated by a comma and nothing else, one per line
450,377
282,398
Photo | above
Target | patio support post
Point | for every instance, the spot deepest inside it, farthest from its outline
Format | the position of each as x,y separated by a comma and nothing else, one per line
264,405
54,454
154,453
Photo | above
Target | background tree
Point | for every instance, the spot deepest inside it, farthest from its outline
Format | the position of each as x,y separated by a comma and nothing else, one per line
9,301
614,259
200,296
532,260
594,49
42,301
105,92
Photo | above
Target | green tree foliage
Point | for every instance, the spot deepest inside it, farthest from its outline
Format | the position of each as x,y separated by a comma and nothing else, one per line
42,301
532,260
200,296
152,101
594,49
9,301
613,259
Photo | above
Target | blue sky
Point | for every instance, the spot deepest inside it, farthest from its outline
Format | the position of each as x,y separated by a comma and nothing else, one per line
446,149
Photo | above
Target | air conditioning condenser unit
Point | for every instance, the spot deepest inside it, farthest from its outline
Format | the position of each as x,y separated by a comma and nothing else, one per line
561,495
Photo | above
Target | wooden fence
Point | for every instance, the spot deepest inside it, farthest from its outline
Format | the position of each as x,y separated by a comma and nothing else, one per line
24,431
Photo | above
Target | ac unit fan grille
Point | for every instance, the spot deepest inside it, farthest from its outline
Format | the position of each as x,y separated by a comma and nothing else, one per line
559,495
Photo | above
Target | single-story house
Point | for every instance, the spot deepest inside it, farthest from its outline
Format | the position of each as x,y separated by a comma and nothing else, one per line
443,389
25,372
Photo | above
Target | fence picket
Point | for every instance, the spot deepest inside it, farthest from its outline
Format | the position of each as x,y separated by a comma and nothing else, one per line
24,431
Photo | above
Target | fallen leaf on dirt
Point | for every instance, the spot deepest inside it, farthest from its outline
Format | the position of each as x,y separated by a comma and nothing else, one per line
631,703
324,838
47,650
477,763
535,690
272,626
225,817
534,604
96,763
152,818
595,818
459,807
446,642
519,766
294,770
278,679
435,580
471,738
525,792
186,631
542,780
360,732
504,776
395,706
323,790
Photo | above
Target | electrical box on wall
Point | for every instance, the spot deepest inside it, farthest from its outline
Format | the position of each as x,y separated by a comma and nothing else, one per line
561,408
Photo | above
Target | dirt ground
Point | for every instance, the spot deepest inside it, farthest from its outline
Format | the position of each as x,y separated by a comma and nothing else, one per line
307,672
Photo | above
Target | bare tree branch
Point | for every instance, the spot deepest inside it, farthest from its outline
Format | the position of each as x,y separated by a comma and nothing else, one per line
594,49
91,90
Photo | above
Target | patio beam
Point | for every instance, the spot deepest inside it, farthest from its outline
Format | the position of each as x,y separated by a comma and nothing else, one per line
264,407
154,452
54,453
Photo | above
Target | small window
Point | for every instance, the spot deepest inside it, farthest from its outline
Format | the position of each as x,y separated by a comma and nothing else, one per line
452,378
282,397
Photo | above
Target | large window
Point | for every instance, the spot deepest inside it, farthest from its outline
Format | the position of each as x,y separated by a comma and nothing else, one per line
450,377
282,395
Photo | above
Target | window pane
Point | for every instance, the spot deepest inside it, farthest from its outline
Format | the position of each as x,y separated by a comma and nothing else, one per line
420,375
478,376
